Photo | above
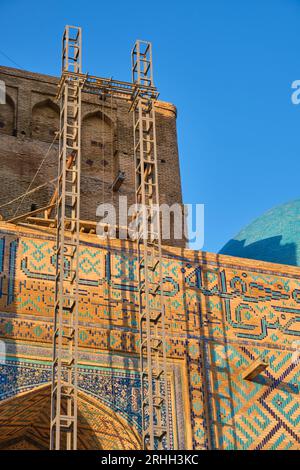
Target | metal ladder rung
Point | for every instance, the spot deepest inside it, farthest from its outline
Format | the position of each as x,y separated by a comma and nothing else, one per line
154,314
144,344
155,373
70,336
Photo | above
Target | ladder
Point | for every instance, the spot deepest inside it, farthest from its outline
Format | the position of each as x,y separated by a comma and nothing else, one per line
153,353
63,425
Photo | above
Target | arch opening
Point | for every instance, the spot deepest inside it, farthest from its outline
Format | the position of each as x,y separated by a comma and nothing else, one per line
7,117
45,120
25,423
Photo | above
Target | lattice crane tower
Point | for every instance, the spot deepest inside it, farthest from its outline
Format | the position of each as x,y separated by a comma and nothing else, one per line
141,94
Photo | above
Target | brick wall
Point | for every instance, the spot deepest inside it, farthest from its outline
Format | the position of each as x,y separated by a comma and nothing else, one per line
28,122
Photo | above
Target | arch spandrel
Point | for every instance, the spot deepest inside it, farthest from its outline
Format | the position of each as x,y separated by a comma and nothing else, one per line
24,421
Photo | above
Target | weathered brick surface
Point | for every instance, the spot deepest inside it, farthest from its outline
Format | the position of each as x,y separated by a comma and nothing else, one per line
27,126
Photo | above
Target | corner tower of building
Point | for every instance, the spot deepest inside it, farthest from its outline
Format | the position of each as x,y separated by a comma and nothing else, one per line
28,123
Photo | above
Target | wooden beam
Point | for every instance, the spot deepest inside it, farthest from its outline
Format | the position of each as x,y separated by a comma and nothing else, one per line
255,368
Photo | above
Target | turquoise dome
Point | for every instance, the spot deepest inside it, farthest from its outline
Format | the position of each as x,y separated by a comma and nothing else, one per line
274,237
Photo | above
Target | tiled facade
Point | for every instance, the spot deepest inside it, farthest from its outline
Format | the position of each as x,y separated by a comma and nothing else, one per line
28,122
222,314
274,236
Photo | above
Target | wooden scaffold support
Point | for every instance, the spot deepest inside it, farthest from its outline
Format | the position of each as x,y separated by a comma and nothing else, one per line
63,426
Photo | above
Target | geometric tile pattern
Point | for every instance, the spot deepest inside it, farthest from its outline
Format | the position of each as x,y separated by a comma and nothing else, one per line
222,313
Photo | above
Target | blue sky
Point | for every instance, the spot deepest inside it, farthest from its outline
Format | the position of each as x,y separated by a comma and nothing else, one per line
228,65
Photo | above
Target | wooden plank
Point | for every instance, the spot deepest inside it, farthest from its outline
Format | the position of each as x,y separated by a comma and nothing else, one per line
255,368
29,214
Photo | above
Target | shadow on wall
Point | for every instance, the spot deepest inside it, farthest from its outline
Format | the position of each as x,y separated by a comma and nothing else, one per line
269,249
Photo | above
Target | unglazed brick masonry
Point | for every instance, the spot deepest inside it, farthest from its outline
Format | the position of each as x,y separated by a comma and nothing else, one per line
222,314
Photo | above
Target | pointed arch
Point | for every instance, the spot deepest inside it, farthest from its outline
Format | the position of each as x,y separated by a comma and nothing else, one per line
44,120
8,117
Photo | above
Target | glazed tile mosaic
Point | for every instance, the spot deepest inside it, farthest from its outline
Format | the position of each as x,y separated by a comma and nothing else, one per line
222,314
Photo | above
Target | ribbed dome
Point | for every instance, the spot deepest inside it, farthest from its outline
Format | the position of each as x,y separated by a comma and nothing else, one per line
275,237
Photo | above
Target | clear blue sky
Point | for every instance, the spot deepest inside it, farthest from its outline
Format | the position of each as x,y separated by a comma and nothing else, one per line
228,65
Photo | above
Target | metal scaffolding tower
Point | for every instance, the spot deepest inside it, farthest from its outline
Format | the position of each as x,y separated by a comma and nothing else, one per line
153,360
141,94
63,426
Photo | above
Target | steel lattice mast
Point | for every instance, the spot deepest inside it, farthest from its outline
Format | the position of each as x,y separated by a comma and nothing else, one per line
153,360
63,432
